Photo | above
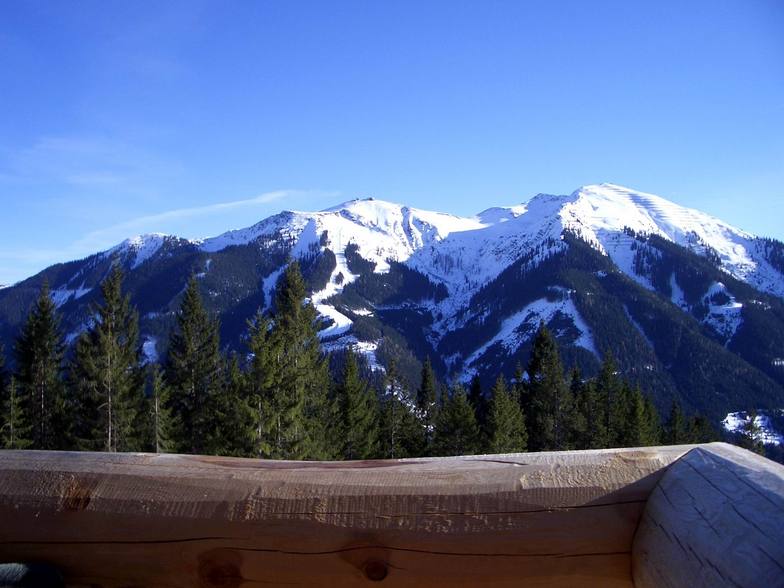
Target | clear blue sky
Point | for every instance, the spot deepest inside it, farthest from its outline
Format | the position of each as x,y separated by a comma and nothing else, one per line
118,118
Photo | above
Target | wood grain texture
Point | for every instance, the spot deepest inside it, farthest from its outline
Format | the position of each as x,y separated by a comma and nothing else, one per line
546,519
716,518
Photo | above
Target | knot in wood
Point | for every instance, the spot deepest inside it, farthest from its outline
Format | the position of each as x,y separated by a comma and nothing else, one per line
375,570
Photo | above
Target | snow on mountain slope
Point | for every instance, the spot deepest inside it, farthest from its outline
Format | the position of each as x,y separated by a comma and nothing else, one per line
467,260
285,225
737,422
522,325
382,230
466,253
724,312
600,212
141,247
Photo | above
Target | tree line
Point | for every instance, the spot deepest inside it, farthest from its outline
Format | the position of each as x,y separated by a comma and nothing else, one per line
280,400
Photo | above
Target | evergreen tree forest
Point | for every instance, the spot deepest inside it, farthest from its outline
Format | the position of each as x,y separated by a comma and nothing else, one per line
282,400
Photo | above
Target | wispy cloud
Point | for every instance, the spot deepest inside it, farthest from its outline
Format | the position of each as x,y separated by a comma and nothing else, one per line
159,222
28,261
182,213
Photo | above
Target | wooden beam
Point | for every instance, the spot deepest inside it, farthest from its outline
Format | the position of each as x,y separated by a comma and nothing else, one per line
545,519
716,518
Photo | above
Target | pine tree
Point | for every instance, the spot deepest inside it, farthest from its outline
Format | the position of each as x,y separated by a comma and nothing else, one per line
641,426
580,420
15,428
357,410
700,430
506,425
478,401
262,381
456,429
551,419
318,409
676,433
592,412
39,353
297,399
427,405
609,390
400,431
233,430
652,428
750,434
193,372
108,376
161,420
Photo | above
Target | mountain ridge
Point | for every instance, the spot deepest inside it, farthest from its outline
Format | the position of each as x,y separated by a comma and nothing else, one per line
393,280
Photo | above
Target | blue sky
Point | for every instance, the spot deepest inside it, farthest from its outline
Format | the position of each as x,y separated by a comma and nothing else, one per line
118,118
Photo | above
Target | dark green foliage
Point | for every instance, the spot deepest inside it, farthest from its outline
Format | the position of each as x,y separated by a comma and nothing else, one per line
106,375
399,284
700,430
640,426
356,263
610,391
590,431
161,423
193,372
456,429
478,401
392,349
357,410
39,358
289,380
676,432
303,382
401,433
14,426
506,432
261,384
317,268
547,400
683,429
774,253
749,436
232,430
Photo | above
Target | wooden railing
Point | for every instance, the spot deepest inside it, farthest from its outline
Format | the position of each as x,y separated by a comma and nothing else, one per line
708,515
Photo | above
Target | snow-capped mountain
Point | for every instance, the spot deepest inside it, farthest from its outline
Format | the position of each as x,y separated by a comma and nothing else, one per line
664,287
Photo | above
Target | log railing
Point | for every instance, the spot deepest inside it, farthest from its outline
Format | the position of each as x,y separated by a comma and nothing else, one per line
706,515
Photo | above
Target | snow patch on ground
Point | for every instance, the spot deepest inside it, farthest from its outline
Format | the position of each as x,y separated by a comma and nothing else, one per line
71,337
337,281
150,349
141,247
724,312
285,226
62,295
522,325
735,422
678,297
622,250
366,349
340,322
268,286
